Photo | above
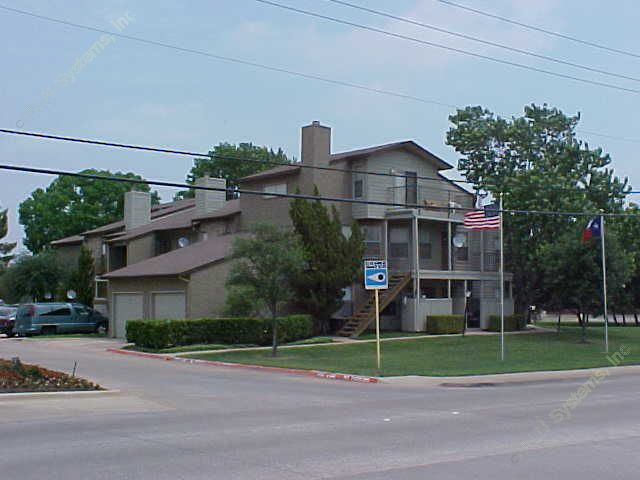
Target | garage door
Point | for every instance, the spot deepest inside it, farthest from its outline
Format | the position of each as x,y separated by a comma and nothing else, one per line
169,305
126,306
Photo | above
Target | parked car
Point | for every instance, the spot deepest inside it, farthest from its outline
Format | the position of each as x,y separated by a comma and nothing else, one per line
52,318
7,319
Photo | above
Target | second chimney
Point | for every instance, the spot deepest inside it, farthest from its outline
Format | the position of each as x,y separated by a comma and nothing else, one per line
208,201
137,209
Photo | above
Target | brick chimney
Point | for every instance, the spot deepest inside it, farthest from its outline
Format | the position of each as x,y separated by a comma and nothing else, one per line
137,209
208,201
316,144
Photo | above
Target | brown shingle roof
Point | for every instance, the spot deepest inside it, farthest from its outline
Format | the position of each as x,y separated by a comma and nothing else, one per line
72,240
272,172
231,207
180,261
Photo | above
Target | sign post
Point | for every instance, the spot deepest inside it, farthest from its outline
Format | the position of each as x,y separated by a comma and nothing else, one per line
376,278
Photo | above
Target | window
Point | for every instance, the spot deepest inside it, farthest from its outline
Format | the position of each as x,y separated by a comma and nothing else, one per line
358,188
372,236
274,188
399,242
411,188
81,310
58,312
102,288
424,243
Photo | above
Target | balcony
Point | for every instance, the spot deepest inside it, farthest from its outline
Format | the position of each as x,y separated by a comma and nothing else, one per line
434,202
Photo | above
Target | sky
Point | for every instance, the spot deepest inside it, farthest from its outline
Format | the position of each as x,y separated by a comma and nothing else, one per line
62,80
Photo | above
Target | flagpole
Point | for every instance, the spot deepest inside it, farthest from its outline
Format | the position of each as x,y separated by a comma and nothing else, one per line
502,281
604,287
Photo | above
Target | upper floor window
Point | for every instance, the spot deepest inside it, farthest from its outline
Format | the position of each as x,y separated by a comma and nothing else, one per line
274,188
411,188
358,186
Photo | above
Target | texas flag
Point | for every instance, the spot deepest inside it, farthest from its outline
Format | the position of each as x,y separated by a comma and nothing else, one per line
593,230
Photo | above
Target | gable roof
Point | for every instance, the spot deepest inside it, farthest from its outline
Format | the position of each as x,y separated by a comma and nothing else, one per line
180,261
409,145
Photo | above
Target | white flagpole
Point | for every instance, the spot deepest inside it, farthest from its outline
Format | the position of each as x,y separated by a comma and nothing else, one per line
604,287
501,281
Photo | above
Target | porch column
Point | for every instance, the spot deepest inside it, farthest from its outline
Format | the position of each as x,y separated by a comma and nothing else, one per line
416,265
449,249
385,240
482,250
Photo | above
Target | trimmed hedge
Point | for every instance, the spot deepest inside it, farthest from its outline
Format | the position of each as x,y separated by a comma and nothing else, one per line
440,324
512,323
159,334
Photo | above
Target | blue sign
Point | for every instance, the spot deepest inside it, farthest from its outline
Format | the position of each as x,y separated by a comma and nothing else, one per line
375,275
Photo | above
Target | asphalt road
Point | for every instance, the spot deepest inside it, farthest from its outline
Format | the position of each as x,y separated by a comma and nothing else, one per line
180,421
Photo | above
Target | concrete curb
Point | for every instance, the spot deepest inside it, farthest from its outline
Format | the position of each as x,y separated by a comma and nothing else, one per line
291,371
69,394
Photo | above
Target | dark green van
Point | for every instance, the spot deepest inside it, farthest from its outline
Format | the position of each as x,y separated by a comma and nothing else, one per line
52,318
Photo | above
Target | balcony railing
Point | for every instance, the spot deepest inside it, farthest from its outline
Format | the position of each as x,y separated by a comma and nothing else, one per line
437,201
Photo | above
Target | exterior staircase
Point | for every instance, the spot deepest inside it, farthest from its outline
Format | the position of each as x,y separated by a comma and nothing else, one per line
365,314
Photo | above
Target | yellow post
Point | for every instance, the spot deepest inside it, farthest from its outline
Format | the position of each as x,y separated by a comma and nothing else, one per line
377,329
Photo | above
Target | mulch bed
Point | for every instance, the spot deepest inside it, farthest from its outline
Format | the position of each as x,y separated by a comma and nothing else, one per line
18,377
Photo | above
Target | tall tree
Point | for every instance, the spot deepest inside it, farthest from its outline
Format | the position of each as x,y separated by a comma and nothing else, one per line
5,248
226,161
83,279
332,261
539,164
267,263
69,206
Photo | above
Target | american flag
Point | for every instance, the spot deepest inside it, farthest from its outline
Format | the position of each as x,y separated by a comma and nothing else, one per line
487,218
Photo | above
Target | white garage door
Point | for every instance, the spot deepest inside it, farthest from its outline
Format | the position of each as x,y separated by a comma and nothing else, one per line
126,306
169,305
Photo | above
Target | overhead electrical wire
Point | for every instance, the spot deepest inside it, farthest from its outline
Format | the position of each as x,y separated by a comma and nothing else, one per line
159,183
540,29
147,148
272,68
447,47
427,26
222,157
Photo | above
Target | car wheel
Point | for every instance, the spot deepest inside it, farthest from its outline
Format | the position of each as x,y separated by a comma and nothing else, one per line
49,330
101,329
11,333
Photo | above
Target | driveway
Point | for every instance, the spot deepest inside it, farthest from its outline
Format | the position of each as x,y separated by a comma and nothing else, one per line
180,421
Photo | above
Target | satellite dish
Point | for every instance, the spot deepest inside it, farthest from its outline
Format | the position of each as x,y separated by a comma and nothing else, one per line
459,240
71,294
183,242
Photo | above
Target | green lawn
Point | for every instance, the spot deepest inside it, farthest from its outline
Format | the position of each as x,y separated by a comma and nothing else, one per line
454,355
389,334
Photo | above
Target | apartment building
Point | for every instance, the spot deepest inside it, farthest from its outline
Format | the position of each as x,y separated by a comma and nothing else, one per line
172,260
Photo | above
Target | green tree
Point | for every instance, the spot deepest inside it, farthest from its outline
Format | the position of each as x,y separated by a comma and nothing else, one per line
83,279
5,248
225,161
267,263
33,278
539,164
241,301
332,261
70,205
572,273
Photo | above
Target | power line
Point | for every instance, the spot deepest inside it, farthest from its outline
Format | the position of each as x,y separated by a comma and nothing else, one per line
483,41
159,183
225,58
542,30
272,68
447,47
221,157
